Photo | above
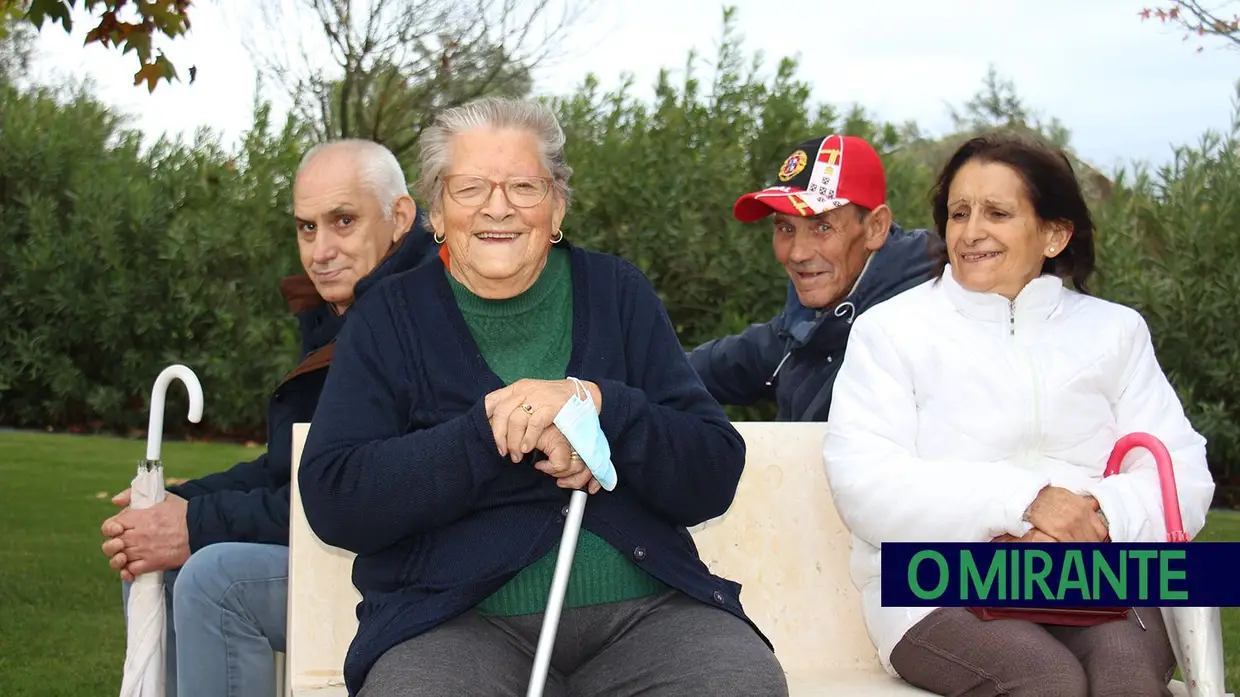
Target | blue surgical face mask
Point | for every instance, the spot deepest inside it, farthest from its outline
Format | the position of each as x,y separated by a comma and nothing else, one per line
578,421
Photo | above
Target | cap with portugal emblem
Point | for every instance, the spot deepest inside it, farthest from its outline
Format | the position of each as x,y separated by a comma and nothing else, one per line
820,175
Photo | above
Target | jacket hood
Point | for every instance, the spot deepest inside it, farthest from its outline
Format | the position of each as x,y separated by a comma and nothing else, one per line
903,261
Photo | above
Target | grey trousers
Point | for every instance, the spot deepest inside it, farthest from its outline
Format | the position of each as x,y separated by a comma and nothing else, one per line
666,645
953,652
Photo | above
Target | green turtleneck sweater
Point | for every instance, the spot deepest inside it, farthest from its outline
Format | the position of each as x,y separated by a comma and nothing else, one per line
531,336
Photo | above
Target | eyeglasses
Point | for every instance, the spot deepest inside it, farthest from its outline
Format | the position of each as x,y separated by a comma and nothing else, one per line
522,192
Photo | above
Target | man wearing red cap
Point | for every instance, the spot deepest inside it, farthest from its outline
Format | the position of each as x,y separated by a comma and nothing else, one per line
832,231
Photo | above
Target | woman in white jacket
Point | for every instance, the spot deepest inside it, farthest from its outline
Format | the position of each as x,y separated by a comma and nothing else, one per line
982,406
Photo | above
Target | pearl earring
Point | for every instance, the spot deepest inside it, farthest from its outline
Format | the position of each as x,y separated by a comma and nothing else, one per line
1051,250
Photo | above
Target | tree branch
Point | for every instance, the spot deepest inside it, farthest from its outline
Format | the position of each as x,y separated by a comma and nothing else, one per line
384,68
1196,19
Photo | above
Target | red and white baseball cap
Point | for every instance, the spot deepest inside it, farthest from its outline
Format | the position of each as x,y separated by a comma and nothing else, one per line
820,175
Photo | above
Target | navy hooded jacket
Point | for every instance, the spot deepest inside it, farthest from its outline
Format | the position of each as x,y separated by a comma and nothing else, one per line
794,357
250,501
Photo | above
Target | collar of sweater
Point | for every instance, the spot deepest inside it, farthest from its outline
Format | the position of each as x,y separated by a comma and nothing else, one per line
556,269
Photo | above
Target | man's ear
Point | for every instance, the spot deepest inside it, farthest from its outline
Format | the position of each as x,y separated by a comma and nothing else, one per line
877,225
404,212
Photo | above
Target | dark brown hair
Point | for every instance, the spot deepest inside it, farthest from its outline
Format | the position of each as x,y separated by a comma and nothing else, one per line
1051,186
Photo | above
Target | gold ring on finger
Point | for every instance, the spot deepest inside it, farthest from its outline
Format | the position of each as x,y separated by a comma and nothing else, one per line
527,408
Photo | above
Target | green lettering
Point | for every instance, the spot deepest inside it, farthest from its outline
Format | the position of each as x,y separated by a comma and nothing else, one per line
912,574
1103,567
1073,563
1143,583
1166,574
1038,577
1014,577
969,577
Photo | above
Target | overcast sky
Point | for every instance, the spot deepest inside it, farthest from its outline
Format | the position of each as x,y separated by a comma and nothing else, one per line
1126,89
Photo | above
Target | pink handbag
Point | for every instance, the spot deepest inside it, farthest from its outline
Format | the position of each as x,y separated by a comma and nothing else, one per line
1089,616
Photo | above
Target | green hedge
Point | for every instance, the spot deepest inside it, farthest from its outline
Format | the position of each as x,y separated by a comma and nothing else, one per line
123,260
1169,245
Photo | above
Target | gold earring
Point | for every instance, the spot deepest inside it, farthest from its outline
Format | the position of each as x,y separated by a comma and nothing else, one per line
559,235
438,238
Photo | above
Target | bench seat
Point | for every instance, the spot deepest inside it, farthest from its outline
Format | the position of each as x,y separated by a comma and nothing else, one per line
782,540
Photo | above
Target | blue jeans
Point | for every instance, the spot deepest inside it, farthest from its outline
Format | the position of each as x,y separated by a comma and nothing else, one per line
227,611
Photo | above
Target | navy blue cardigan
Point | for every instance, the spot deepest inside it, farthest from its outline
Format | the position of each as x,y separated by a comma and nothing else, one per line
401,468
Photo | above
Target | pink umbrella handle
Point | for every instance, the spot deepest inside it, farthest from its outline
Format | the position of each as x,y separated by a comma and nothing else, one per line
1166,477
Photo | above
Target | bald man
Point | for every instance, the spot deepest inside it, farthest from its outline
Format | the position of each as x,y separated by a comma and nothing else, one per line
222,540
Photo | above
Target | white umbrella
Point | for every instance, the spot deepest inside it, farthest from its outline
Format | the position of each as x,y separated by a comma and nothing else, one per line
1196,633
145,625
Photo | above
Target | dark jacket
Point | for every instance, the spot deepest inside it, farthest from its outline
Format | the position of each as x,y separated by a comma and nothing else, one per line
250,501
401,468
794,356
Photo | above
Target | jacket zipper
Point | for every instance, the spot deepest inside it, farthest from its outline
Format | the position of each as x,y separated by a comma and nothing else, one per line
1035,431
771,379
1037,428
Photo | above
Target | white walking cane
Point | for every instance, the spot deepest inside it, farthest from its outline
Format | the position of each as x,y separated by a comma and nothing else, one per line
559,586
586,442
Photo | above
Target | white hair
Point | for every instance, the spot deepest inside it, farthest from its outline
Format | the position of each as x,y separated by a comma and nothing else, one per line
377,168
491,112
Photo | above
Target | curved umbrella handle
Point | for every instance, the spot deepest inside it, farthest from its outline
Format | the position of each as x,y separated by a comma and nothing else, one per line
1166,477
154,430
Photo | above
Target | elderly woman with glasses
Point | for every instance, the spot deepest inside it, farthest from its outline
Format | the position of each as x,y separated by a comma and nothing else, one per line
436,457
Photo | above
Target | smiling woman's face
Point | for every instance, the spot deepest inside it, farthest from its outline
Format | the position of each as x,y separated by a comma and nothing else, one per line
995,241
497,242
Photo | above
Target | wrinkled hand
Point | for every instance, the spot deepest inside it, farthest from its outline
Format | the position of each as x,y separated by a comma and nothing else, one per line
151,539
521,412
1067,517
570,472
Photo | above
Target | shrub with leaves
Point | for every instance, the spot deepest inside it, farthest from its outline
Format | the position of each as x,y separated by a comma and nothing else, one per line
655,183
124,261
1169,245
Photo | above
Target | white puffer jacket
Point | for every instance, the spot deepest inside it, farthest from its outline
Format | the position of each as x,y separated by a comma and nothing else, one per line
952,409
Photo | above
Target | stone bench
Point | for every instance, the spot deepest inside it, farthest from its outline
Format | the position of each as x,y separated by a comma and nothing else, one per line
781,539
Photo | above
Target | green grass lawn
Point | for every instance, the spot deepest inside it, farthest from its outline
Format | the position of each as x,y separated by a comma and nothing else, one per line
61,627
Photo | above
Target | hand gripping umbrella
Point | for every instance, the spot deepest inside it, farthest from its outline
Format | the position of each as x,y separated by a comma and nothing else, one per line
145,624
1195,632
